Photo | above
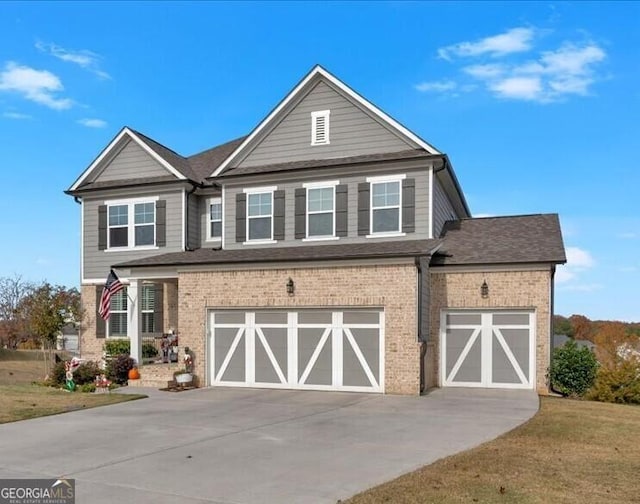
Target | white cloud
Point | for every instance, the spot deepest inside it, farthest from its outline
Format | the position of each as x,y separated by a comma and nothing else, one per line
437,86
512,41
519,88
16,115
84,58
545,76
92,123
578,260
39,86
582,287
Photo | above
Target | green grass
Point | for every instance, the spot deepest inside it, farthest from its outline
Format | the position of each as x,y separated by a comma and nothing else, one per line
570,452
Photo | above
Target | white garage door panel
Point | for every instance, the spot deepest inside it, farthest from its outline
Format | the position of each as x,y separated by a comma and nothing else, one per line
488,349
306,349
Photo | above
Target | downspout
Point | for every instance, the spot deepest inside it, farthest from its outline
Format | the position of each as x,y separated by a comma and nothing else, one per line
552,296
79,202
186,216
421,263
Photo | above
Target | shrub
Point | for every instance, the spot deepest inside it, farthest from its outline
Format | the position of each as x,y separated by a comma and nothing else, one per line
123,347
619,383
118,369
57,377
573,370
84,373
117,347
88,387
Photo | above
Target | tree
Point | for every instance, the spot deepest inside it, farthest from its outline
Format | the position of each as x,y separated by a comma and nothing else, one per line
562,325
48,309
583,328
611,339
13,291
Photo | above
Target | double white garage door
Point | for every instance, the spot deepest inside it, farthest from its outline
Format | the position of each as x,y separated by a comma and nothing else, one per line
488,349
303,349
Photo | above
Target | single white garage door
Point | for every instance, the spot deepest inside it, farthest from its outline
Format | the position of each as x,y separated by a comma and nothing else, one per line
488,349
304,349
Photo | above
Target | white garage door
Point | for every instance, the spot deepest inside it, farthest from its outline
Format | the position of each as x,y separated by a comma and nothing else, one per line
488,349
304,349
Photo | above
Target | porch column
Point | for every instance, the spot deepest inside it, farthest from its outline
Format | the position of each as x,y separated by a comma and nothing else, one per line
132,327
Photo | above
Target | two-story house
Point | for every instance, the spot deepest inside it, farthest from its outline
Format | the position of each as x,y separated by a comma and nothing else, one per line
330,249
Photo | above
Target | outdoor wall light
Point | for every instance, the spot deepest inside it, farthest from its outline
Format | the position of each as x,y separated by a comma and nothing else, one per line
290,286
484,290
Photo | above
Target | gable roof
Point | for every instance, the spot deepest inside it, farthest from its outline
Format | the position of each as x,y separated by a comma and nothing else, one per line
160,153
203,162
502,240
170,156
315,73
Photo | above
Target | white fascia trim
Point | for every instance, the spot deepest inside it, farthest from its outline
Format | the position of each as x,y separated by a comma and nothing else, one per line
81,240
224,199
317,185
129,201
431,202
253,190
318,70
386,178
112,144
184,220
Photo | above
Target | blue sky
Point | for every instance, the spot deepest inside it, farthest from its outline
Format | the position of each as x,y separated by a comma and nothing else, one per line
537,105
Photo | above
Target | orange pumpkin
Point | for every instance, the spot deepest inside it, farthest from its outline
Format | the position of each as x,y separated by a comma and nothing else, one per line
134,374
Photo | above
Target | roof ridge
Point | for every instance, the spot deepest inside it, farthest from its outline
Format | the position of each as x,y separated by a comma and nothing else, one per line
216,147
147,137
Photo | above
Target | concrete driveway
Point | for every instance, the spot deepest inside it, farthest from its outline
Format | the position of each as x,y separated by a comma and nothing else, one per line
247,445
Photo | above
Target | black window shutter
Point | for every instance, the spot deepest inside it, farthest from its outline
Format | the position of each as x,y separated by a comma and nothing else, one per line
363,208
161,223
301,213
102,227
408,205
101,326
278,215
241,217
158,307
341,210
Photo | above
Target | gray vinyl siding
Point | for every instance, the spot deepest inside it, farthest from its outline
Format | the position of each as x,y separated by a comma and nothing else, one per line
352,132
442,208
421,177
96,263
131,162
193,222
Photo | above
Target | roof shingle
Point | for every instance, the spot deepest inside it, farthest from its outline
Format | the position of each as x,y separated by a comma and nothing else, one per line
502,240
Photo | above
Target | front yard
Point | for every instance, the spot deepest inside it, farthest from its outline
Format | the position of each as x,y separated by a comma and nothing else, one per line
571,451
20,399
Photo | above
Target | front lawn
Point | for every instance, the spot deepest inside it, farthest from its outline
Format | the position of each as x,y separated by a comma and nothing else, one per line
571,451
20,402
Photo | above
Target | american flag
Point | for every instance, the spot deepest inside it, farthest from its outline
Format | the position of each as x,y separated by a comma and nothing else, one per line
112,286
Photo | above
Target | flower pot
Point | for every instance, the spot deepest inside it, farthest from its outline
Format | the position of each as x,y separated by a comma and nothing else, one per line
183,378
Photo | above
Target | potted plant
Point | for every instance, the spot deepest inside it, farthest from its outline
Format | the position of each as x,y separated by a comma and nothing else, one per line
185,375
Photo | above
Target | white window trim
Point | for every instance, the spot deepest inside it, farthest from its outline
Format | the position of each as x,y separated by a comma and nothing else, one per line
211,201
108,322
258,190
314,126
382,180
321,185
131,226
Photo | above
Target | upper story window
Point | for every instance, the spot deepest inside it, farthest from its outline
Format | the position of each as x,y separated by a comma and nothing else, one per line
386,204
131,223
214,231
320,127
321,209
260,215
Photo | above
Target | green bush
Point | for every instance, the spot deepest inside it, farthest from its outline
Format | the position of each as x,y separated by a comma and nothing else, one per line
84,373
618,384
117,347
573,370
118,369
123,347
88,387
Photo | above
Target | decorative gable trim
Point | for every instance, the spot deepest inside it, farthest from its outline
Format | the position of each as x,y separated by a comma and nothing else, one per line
113,145
315,71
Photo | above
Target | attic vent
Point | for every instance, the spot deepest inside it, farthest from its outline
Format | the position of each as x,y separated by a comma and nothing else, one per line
320,127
